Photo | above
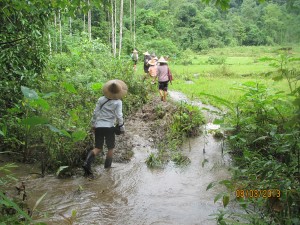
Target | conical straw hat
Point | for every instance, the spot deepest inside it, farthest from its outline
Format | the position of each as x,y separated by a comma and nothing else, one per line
115,89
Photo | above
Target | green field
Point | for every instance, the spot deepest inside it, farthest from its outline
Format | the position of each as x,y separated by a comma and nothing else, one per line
221,87
241,65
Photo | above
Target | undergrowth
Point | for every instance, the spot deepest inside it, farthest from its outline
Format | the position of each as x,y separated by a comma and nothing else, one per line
184,123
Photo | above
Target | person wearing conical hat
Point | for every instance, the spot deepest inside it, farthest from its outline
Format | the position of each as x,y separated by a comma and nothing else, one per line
135,58
152,69
147,58
108,110
163,72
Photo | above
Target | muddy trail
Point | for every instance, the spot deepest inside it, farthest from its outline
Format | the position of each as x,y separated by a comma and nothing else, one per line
131,192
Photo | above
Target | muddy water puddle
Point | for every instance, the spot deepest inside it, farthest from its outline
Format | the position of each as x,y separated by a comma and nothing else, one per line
132,193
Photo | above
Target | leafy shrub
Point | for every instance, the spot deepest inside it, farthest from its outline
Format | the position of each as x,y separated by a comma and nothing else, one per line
265,145
184,123
216,60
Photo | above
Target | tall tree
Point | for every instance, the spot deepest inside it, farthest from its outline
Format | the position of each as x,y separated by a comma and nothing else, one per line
55,29
89,21
70,23
113,28
130,16
134,17
60,31
121,28
83,22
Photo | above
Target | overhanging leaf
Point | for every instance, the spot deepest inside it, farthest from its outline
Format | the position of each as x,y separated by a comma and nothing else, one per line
39,201
227,183
29,93
261,138
56,130
225,200
69,87
42,103
78,135
220,100
96,86
211,185
61,168
33,121
10,203
218,121
218,197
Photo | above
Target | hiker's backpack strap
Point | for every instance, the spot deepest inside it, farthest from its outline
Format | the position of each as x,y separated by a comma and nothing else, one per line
104,103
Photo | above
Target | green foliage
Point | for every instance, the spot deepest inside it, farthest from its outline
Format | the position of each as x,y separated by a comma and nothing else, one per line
23,52
216,60
154,160
186,57
179,159
162,47
264,138
184,123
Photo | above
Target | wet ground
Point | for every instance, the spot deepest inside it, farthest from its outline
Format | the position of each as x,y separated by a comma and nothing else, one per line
132,193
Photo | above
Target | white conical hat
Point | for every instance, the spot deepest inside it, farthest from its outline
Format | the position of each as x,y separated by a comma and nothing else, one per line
162,60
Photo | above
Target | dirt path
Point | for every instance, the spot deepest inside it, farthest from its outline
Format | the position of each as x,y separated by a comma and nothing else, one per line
144,128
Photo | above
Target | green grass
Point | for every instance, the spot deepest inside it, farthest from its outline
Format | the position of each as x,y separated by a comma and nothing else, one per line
221,87
234,70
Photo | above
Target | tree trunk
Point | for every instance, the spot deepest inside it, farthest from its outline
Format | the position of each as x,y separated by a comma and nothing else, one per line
55,34
130,12
50,46
84,23
115,24
121,28
60,31
134,7
90,22
70,21
112,28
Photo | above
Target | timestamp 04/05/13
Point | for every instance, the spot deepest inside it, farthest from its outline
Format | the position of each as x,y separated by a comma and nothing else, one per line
258,193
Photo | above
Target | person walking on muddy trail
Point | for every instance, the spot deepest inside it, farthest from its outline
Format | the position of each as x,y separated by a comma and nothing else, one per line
164,77
135,58
147,58
108,110
152,70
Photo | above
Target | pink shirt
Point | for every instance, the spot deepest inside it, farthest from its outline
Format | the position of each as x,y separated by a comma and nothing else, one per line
162,73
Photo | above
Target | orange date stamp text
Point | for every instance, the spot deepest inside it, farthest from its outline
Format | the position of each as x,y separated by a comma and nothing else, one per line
257,193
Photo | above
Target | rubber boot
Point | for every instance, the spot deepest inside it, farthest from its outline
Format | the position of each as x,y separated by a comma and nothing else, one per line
87,166
108,162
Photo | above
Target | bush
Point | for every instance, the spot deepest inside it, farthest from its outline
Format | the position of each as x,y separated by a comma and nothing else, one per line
216,60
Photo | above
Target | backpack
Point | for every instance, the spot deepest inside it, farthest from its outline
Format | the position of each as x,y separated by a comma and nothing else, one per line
134,56
147,59
170,76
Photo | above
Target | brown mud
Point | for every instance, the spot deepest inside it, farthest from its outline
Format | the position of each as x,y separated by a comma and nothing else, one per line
145,128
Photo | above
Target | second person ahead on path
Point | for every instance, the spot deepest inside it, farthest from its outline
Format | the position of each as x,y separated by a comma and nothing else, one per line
153,70
135,58
163,78
147,58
